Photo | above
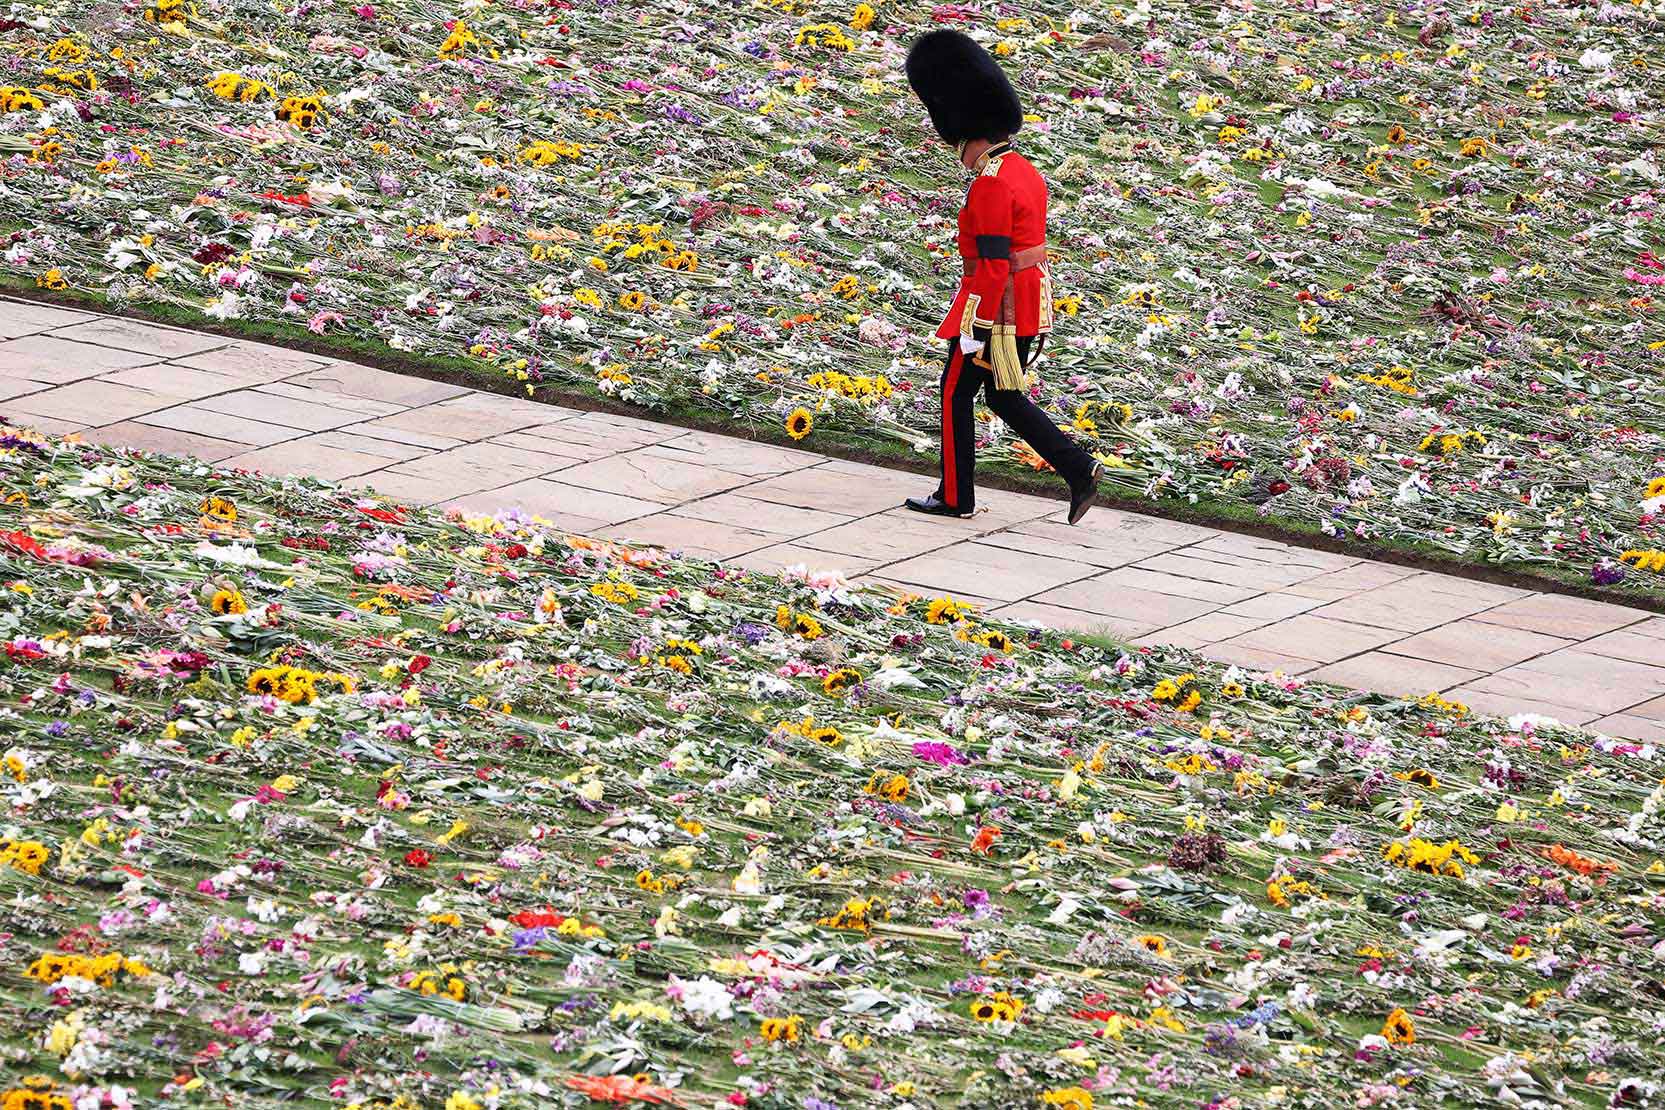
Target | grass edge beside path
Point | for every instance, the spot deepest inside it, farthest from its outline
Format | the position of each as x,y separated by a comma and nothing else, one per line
834,443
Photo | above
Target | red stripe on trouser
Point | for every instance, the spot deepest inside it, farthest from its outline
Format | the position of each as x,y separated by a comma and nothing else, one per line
950,471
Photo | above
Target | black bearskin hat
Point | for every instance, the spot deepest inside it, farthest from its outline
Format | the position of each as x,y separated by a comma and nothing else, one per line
963,88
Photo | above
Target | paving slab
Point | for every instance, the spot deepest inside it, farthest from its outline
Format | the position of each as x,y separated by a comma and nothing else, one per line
219,425
85,400
1393,674
56,361
137,336
1220,593
739,507
1557,615
352,380
451,422
995,572
274,408
827,490
738,456
1077,620
1049,539
20,318
183,382
308,456
551,498
1220,568
776,556
253,362
1473,643
1591,698
1318,638
703,538
1254,659
167,441
1626,725
1200,631
19,387
1509,704
1111,599
654,477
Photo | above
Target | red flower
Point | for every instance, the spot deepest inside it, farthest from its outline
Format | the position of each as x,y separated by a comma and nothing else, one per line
621,1088
418,857
23,544
545,918
419,664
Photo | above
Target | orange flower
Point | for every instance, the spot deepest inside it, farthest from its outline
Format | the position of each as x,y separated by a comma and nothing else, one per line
1398,1028
1028,456
621,1088
1572,861
983,842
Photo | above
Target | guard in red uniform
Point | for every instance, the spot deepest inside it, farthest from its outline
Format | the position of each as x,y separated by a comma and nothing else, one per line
1003,311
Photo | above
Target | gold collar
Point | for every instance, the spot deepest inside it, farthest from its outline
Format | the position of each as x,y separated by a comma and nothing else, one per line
993,152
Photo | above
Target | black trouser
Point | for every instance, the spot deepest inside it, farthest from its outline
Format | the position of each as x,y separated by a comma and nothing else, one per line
961,379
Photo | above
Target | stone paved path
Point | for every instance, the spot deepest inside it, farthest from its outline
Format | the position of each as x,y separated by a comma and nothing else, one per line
1255,602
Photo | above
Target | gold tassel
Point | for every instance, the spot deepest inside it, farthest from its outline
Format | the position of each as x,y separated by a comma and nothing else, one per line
1008,366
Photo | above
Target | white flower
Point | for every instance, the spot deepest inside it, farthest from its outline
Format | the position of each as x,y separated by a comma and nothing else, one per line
227,306
705,997
1595,59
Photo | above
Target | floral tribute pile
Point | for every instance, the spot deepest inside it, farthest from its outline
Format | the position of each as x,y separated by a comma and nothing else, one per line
316,798
1391,271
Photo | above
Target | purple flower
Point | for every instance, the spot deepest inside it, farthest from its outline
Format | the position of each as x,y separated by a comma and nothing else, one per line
530,938
944,755
1607,573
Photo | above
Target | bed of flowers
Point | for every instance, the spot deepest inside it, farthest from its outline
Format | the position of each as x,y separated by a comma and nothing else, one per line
310,797
1388,271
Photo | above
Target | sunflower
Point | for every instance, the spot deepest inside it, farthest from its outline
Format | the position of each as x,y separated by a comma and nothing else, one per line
798,425
782,1029
1398,1029
945,610
35,1092
1152,943
1396,134
301,111
226,602
994,641
1068,1098
807,627
632,300
840,680
218,508
999,1006
890,787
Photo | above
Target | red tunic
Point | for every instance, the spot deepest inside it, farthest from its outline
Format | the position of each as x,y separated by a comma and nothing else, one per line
1005,212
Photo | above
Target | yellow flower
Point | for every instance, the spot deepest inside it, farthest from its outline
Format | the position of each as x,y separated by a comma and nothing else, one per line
458,41
799,423
782,1029
840,680
226,602
28,856
1399,1029
862,18
1155,945
999,1006
945,610
1068,1098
